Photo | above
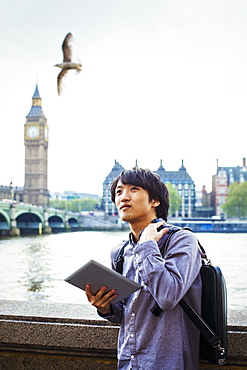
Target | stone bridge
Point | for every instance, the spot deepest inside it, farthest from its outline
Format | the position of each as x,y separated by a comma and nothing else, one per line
20,218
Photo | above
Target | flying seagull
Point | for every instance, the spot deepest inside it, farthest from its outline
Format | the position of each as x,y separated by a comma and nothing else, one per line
67,63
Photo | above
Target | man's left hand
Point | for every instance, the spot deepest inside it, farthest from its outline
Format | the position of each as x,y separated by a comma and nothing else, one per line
151,233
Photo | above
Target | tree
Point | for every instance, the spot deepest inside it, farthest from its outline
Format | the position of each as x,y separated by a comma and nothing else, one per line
75,205
57,203
236,201
175,199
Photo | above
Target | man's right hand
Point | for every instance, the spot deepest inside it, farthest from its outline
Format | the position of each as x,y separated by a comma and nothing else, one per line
101,300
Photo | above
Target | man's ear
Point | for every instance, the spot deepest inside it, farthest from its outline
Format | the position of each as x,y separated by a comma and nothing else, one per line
155,203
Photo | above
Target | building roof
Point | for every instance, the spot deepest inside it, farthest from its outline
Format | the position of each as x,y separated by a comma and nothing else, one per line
116,170
36,110
36,94
238,174
174,177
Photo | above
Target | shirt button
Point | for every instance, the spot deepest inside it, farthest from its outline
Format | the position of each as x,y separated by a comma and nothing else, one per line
137,255
131,335
132,356
133,314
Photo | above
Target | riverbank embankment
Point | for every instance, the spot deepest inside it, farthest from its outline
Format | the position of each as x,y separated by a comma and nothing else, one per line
112,223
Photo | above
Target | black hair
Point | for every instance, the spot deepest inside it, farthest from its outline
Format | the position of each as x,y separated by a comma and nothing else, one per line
149,181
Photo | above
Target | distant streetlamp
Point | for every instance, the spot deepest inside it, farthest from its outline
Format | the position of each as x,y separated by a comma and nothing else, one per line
12,190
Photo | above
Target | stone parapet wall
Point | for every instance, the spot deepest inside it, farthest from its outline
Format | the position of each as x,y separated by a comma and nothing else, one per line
36,335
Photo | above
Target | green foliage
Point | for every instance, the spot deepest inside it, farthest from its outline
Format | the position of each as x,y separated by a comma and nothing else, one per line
175,199
236,201
75,205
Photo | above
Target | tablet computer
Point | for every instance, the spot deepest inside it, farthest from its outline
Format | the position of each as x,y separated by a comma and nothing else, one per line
98,275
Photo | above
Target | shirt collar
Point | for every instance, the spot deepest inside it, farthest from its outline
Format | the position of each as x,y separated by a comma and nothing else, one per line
131,240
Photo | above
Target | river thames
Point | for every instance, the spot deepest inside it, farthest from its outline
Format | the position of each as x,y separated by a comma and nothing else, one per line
33,268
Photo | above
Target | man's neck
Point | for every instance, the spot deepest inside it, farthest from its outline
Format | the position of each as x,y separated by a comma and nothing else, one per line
135,234
137,227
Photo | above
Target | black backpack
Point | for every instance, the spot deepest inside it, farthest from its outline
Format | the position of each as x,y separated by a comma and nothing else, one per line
212,322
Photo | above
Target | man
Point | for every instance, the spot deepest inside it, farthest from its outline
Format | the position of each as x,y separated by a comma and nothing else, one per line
147,341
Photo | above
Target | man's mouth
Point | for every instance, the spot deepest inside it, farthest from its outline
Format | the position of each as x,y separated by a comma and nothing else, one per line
124,207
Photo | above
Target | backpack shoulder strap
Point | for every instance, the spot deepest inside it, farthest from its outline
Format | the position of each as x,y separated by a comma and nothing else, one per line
171,231
164,247
120,258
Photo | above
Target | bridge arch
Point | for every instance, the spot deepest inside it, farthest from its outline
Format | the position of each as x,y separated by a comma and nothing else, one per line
4,220
29,222
19,212
56,223
73,223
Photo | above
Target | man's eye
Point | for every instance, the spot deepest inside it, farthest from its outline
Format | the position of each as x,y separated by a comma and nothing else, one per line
118,192
134,188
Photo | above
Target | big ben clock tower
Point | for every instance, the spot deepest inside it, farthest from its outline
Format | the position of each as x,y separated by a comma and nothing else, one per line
36,145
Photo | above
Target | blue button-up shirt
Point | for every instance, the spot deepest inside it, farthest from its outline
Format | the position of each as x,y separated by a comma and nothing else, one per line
169,341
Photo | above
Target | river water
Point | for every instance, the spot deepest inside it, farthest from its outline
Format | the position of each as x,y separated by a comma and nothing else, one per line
33,268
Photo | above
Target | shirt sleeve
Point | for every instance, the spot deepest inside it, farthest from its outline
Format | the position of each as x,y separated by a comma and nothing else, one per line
115,314
168,279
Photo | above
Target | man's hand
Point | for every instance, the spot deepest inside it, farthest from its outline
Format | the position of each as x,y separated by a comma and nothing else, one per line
101,300
151,233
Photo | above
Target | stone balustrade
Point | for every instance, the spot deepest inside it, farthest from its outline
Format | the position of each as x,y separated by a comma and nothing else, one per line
38,335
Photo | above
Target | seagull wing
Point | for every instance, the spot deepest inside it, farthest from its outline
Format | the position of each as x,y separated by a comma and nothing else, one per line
59,81
66,47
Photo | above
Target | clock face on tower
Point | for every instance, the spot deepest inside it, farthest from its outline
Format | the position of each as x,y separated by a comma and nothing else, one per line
32,132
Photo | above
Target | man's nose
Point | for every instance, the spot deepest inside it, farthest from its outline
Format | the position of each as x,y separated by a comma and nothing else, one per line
125,195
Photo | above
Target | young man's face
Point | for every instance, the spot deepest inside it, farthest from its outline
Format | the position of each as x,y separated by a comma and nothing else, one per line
133,204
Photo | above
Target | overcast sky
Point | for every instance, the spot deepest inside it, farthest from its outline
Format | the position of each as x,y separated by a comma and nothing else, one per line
160,80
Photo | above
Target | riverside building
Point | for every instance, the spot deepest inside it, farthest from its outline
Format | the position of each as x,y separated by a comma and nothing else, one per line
224,177
180,180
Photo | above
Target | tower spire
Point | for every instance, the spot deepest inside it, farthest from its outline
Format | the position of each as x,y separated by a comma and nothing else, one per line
36,99
36,108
